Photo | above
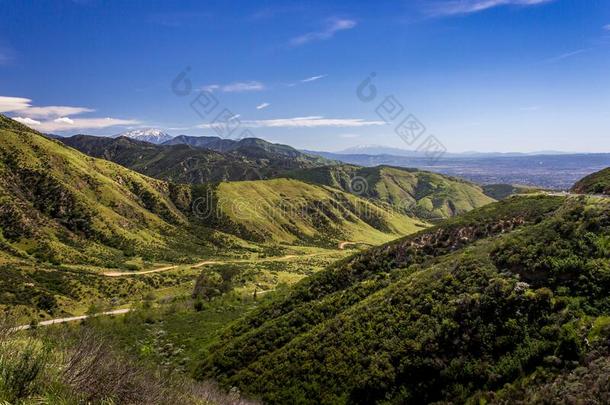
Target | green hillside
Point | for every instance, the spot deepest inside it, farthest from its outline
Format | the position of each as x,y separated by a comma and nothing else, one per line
468,311
289,211
58,205
596,183
420,193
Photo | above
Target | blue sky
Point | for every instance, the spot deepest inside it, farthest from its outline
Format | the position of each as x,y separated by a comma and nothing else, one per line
486,75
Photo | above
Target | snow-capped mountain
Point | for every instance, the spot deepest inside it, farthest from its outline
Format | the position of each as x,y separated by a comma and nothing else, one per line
151,135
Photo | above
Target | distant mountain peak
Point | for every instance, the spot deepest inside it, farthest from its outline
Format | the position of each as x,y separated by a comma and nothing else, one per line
151,135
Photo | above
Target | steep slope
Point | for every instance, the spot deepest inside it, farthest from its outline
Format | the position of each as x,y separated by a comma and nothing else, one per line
59,205
596,183
464,311
422,194
290,211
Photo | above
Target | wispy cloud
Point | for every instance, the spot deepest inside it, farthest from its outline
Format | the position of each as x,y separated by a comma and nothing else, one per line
305,122
262,106
531,108
566,55
332,27
456,7
606,27
53,111
313,78
236,87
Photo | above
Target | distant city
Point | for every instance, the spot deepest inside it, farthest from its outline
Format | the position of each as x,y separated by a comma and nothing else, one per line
556,172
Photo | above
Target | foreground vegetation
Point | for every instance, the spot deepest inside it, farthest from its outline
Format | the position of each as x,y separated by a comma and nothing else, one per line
75,365
507,300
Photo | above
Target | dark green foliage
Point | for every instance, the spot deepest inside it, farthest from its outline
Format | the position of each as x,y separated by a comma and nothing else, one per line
502,191
247,159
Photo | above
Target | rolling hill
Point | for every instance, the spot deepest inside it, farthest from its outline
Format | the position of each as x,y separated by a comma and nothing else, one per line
419,193
596,183
290,211
491,306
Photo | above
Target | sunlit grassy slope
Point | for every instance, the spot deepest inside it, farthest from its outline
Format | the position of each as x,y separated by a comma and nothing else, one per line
59,205
423,194
284,210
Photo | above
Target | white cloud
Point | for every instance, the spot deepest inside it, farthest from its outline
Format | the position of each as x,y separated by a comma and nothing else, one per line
313,78
23,106
236,87
305,122
13,103
26,121
54,111
456,7
262,106
65,124
55,118
64,120
331,29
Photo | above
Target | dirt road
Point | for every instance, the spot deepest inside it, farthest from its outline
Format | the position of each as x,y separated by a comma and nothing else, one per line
73,318
205,263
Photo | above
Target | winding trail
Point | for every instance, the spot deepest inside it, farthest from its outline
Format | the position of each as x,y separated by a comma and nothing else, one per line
168,268
206,263
73,318
344,244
